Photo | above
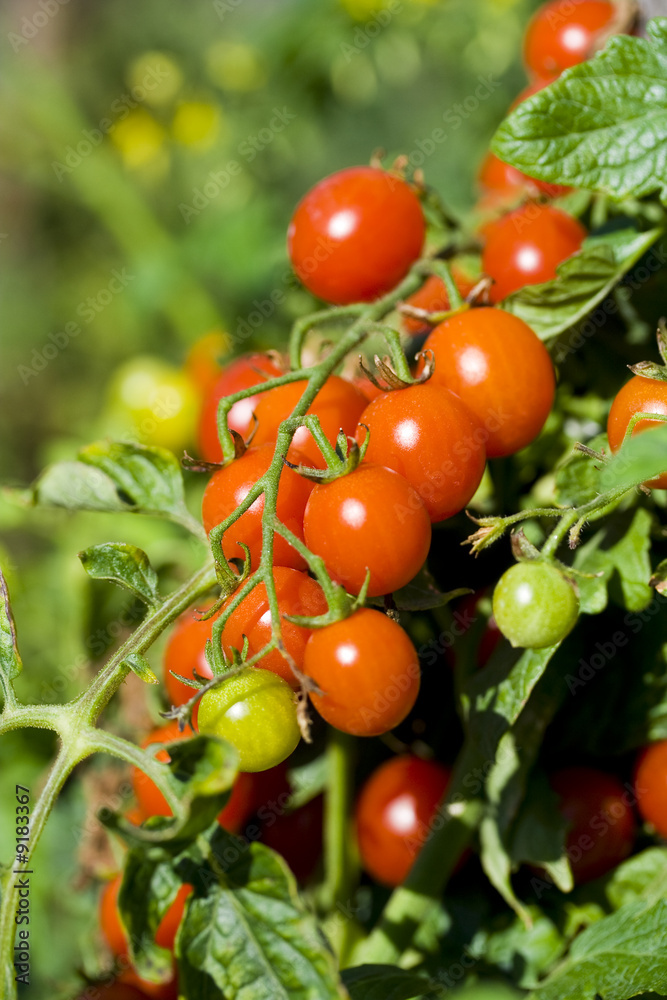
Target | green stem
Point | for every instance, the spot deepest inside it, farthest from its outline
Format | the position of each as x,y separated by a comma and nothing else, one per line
340,873
303,326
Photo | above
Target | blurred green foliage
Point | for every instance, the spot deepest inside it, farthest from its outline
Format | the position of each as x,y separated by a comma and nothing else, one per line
151,156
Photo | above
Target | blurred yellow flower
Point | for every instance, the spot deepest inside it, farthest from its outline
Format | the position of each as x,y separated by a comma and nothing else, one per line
196,123
234,66
138,137
155,77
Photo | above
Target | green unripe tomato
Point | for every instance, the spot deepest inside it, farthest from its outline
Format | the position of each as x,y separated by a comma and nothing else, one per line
534,605
154,402
255,712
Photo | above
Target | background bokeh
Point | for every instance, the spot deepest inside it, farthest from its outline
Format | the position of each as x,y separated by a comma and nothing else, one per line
151,155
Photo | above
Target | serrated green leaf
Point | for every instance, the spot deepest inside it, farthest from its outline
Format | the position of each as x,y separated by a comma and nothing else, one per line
140,666
524,953
616,958
622,547
10,661
583,281
76,486
148,889
249,935
125,565
148,479
539,835
387,982
642,457
643,876
602,125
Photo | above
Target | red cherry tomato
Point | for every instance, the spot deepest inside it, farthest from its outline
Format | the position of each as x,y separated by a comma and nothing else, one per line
369,390
524,247
249,370
501,371
297,594
602,824
502,183
297,836
561,35
433,297
185,655
394,812
371,519
338,405
639,395
355,235
651,786
228,487
426,434
367,670
151,800
116,937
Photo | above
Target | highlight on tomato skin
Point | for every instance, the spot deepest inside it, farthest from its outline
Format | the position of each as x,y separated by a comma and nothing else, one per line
394,812
355,234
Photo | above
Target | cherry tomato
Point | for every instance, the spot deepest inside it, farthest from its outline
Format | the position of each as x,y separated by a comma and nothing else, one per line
253,792
151,800
367,670
651,786
202,364
256,713
602,830
369,390
355,235
371,519
639,395
433,297
426,434
243,373
185,654
297,594
501,371
562,35
394,812
534,605
524,247
117,940
154,402
502,183
338,405
228,487
297,836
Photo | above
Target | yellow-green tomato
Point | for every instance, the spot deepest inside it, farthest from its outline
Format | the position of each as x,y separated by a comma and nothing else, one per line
255,711
534,605
155,402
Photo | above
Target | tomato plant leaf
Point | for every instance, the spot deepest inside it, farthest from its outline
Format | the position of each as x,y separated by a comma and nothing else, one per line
602,125
578,478
75,486
639,459
643,876
583,281
148,479
125,565
619,550
617,957
10,661
148,889
248,933
420,594
523,953
387,982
